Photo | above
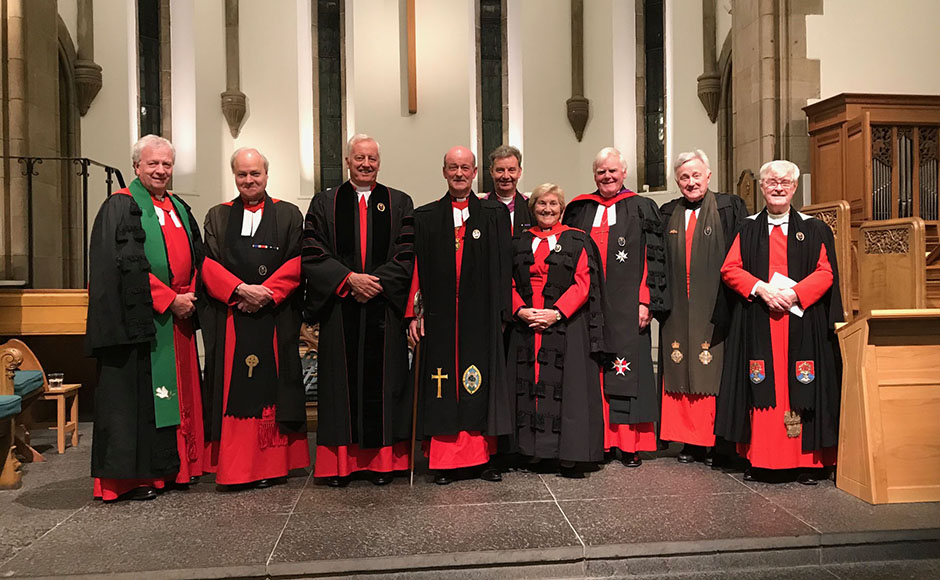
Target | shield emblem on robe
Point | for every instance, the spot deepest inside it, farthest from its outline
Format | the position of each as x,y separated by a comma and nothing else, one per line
757,373
472,379
805,371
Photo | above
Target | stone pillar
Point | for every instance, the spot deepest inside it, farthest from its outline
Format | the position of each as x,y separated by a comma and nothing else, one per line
88,78
772,81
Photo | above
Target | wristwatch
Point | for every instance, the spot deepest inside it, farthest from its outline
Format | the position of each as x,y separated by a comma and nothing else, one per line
557,315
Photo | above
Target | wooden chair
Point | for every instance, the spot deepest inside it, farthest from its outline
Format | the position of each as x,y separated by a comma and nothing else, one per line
30,392
837,215
10,475
892,265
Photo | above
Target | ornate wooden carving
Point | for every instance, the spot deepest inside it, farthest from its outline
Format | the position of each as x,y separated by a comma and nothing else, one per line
881,144
928,144
888,241
829,218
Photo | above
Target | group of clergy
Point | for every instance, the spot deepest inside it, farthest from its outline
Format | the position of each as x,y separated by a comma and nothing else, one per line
498,331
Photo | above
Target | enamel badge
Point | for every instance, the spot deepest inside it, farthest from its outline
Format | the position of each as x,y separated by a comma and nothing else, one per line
557,248
676,355
621,241
757,374
621,366
262,269
805,371
472,379
380,206
708,230
705,356
800,237
673,231
476,234
621,256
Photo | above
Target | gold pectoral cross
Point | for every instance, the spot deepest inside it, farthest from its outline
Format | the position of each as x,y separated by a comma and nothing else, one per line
438,377
251,361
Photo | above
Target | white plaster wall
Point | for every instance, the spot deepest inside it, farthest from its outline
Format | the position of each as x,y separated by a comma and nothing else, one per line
688,127
107,128
68,11
872,46
413,146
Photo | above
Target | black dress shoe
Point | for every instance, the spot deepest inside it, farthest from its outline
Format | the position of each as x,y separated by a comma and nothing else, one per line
685,458
570,472
806,478
269,482
443,478
336,481
145,493
490,474
194,479
749,475
382,478
633,460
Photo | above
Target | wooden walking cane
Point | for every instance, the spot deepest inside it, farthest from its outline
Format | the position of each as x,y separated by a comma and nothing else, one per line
419,315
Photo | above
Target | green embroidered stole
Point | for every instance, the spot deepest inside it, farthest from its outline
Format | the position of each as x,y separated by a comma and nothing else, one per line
162,352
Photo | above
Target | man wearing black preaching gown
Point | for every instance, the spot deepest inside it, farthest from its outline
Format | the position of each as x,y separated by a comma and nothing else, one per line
144,252
253,397
462,270
357,262
627,230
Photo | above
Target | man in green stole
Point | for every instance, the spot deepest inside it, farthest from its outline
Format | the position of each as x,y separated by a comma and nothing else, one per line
144,252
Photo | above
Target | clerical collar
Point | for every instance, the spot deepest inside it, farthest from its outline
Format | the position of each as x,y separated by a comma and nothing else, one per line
507,200
777,219
459,199
694,205
363,188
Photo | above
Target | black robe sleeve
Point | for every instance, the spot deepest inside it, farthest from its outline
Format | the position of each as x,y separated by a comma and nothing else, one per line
323,272
120,307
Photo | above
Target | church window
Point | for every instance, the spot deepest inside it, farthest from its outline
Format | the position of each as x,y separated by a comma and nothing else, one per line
329,90
655,98
492,58
150,115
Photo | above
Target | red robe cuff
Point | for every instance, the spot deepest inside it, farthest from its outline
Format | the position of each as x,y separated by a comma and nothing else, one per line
734,274
162,295
410,305
576,294
284,281
220,282
811,288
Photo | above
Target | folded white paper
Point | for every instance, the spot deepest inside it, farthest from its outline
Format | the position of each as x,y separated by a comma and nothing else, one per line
781,281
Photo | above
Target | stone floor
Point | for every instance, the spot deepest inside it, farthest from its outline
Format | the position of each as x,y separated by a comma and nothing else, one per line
663,520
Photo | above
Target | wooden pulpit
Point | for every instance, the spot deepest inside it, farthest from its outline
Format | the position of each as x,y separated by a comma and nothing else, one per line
889,434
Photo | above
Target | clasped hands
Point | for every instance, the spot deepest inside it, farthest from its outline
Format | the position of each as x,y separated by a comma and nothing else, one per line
777,299
252,297
183,306
364,287
538,319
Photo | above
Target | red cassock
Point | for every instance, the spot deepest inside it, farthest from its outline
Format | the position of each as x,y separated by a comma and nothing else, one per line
689,418
466,448
641,436
770,447
342,460
251,448
189,434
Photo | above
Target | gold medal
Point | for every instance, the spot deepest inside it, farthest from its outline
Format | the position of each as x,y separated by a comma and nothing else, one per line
705,356
676,355
380,206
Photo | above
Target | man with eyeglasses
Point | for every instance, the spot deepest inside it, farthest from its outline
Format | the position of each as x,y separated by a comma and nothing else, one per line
780,389
699,228
462,272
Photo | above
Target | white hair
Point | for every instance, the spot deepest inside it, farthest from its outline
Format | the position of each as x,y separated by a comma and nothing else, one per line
359,138
606,152
684,158
241,150
781,167
150,141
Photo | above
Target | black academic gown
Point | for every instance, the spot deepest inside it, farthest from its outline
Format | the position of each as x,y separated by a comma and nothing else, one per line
561,415
280,229
365,396
633,396
119,331
476,395
522,218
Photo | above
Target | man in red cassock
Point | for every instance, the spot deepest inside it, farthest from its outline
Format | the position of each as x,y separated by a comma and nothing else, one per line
357,263
462,269
699,228
780,391
627,230
254,395
144,253
506,169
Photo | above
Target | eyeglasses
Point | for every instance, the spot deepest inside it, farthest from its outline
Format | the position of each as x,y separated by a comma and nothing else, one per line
773,183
